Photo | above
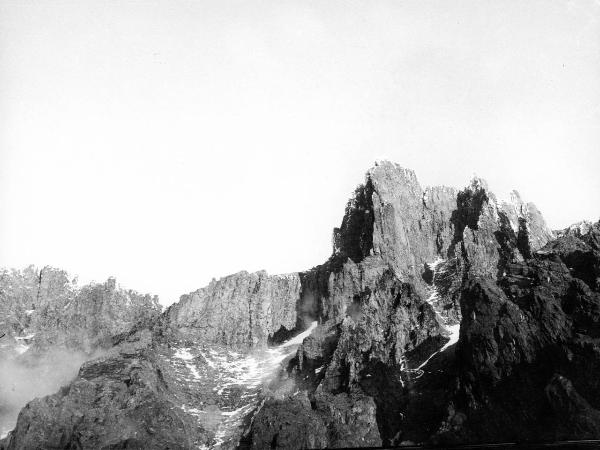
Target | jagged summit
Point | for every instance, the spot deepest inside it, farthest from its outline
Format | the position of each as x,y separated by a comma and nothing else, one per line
580,228
478,183
392,217
392,171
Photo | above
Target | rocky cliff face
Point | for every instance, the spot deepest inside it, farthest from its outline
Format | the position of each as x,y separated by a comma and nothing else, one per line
44,309
442,316
242,310
529,347
393,218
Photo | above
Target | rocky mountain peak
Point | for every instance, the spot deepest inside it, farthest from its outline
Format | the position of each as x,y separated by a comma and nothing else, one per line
438,315
478,184
392,177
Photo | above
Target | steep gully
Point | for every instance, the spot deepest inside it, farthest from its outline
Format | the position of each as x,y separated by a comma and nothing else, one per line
450,330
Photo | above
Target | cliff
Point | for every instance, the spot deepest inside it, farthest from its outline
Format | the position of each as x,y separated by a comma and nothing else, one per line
44,309
240,310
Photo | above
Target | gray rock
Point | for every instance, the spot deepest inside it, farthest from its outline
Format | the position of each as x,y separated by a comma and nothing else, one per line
241,310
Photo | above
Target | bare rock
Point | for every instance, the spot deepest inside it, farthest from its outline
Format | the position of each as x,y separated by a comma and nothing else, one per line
240,310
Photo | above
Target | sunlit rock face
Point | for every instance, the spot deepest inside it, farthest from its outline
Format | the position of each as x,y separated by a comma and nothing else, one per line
394,219
241,310
526,219
44,308
438,314
411,226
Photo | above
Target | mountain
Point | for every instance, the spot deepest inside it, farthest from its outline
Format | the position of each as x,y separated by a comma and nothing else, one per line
51,326
441,317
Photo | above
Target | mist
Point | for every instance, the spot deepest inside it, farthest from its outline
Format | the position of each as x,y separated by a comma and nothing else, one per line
28,377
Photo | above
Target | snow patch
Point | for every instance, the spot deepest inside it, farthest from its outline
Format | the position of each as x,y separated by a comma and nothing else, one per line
209,361
453,331
194,371
454,334
450,331
25,338
434,265
21,348
186,356
183,353
193,411
237,411
297,340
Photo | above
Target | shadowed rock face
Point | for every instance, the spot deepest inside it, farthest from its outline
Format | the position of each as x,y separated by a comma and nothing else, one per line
386,363
528,351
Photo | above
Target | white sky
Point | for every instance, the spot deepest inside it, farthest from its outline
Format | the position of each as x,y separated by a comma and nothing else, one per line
167,142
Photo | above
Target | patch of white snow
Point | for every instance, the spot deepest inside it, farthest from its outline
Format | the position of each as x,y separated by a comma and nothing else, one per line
297,340
209,361
25,338
21,348
183,353
454,333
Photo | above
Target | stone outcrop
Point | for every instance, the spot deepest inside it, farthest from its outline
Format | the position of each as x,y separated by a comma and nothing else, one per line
324,421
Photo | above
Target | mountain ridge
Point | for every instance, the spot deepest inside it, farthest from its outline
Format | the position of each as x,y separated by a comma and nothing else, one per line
408,265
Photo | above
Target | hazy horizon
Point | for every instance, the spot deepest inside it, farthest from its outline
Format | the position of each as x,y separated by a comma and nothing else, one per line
169,143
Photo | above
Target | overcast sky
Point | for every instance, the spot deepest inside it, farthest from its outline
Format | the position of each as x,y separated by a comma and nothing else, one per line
169,142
